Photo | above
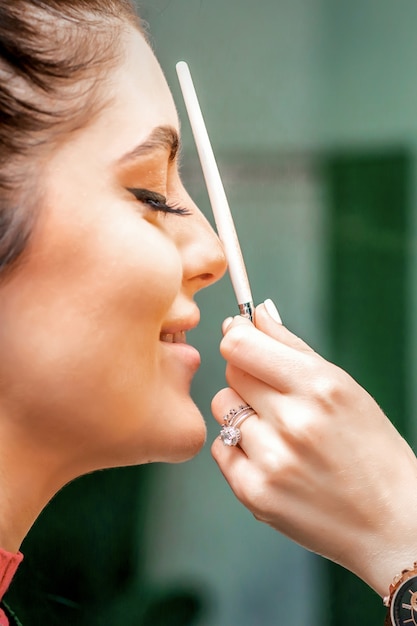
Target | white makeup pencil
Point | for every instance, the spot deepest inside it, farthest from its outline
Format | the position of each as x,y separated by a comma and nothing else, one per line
220,206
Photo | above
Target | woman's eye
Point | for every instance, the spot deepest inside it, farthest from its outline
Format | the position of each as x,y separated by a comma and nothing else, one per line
156,201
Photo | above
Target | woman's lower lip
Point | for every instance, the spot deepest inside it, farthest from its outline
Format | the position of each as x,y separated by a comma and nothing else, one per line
184,352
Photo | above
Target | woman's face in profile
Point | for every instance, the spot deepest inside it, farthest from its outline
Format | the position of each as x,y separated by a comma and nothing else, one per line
92,324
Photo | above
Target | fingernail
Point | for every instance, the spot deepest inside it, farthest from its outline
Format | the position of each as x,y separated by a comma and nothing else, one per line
272,310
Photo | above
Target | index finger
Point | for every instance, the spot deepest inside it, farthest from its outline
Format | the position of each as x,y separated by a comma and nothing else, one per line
268,325
267,358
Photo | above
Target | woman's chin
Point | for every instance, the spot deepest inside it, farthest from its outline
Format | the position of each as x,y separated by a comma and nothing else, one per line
186,445
175,441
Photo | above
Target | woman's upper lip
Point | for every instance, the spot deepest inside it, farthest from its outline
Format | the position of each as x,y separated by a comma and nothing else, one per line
181,324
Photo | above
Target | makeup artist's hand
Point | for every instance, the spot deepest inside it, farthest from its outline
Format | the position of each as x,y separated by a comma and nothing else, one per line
320,462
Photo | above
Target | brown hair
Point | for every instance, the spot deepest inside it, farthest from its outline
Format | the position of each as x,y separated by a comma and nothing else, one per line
53,55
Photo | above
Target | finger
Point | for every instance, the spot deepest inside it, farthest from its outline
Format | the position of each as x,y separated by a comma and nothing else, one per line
223,401
268,359
245,475
226,324
244,389
235,466
268,403
268,325
224,406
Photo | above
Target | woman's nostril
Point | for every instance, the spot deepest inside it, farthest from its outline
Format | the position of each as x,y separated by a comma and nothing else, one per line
207,277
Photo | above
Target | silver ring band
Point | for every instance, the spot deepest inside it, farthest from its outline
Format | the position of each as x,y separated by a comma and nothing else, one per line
239,418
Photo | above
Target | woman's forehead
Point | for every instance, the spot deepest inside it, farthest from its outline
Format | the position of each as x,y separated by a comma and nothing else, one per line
139,114
142,108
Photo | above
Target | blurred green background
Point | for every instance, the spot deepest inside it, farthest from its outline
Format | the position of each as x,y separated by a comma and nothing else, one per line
311,108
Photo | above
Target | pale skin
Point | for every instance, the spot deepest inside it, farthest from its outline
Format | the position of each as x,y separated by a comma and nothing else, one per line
320,462
95,370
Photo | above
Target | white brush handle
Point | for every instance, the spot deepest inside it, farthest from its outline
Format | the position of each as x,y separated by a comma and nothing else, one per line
220,206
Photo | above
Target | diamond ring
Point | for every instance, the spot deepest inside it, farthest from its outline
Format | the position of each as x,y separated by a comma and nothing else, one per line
230,432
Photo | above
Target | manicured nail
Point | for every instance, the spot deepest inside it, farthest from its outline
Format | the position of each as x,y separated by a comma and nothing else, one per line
272,310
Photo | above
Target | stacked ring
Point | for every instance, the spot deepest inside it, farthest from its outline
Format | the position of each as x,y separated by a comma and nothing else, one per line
230,433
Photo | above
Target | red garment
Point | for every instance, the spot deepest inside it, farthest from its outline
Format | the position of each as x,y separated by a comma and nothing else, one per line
9,562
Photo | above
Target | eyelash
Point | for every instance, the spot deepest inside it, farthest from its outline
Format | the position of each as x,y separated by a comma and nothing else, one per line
156,201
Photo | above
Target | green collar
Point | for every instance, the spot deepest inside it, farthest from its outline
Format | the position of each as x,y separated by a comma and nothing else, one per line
13,619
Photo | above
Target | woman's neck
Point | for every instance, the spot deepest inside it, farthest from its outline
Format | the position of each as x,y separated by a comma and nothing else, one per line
29,478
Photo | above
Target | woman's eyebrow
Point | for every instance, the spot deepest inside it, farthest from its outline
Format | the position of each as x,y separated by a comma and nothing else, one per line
161,137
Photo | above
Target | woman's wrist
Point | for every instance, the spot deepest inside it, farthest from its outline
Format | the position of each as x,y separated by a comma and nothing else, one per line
384,570
387,557
387,544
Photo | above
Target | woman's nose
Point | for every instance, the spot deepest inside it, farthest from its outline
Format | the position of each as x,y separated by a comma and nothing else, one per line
204,261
